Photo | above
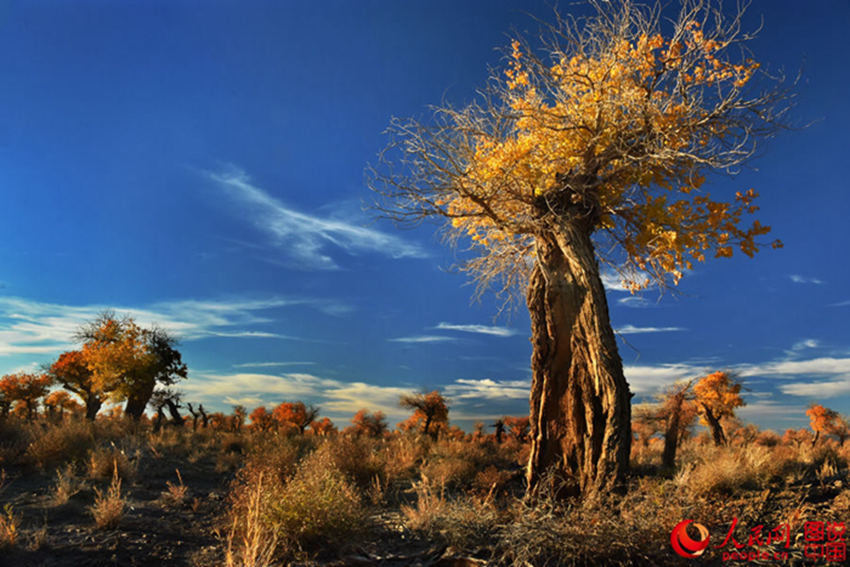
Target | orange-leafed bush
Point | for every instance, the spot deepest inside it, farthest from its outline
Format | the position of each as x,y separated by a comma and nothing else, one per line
717,395
261,419
821,419
294,416
369,424
25,389
430,413
323,427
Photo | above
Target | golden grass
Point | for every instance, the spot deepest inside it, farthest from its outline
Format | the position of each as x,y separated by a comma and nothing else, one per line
108,507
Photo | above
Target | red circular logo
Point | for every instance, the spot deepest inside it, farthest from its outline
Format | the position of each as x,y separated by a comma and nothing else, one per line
684,545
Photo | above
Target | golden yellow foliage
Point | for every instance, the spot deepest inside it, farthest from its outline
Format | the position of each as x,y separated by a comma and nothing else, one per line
719,394
587,113
616,128
821,419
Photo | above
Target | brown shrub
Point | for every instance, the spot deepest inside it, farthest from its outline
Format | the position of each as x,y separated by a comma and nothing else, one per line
358,458
104,462
450,472
59,444
402,454
108,507
67,484
319,506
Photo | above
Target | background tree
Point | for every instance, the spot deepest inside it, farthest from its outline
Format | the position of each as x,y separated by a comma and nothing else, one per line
679,412
239,415
591,149
58,403
127,361
821,419
645,423
323,427
195,416
72,372
499,427
430,410
294,415
25,389
797,437
369,424
165,398
840,427
517,426
717,396
261,419
478,431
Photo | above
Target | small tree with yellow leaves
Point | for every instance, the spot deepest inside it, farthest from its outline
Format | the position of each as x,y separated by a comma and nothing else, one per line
717,396
821,419
594,148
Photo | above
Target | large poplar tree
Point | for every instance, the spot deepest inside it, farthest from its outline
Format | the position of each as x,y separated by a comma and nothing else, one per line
592,148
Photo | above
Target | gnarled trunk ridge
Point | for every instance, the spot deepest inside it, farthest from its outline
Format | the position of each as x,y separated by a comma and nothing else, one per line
580,408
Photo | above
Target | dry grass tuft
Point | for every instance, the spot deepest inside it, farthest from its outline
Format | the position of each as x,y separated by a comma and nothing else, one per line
105,462
175,494
9,527
251,541
108,507
67,485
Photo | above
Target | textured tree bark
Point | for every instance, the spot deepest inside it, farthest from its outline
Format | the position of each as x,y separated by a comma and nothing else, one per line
93,403
671,435
716,428
138,400
580,408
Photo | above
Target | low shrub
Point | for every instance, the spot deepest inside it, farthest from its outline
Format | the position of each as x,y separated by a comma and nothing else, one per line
60,444
108,507
319,506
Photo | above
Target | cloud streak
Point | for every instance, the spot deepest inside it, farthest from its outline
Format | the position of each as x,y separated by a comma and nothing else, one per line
307,237
798,279
480,329
33,327
338,399
422,339
632,330
487,389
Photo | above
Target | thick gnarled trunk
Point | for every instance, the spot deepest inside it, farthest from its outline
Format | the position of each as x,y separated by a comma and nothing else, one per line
715,426
580,402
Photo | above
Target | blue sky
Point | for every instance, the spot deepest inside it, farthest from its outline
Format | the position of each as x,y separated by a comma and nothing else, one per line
203,168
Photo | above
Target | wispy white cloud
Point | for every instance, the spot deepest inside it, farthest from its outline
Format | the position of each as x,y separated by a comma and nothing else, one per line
337,399
614,281
631,329
34,327
801,346
635,301
306,237
481,329
785,368
251,335
422,339
831,388
773,411
488,389
649,379
349,398
798,279
842,303
271,364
